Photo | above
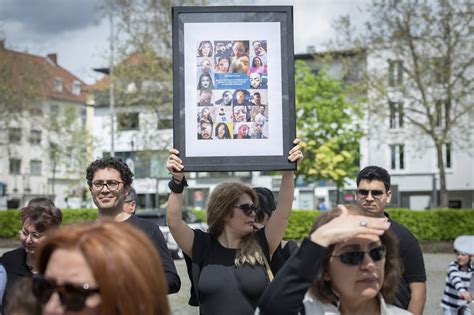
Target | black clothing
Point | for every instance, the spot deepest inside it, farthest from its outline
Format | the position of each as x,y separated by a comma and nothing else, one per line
286,292
155,235
16,268
218,286
281,255
413,265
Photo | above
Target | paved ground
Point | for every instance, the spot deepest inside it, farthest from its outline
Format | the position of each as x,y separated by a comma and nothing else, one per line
436,266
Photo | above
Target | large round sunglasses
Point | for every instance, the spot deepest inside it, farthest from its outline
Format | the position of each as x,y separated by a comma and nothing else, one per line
354,258
247,208
73,296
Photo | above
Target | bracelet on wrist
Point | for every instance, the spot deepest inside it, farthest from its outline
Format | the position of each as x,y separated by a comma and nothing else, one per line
177,187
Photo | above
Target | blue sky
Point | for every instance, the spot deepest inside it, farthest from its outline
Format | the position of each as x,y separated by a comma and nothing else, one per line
77,32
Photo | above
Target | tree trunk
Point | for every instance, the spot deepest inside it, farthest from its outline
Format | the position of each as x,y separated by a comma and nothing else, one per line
338,199
443,192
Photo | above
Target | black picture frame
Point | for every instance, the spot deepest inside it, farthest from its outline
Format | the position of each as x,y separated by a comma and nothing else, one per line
282,130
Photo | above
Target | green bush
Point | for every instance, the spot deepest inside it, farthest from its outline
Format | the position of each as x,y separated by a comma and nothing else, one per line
434,224
9,223
77,215
201,215
10,220
300,223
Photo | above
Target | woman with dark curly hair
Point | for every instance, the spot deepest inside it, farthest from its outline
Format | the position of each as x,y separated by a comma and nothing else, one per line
222,131
348,265
37,219
258,66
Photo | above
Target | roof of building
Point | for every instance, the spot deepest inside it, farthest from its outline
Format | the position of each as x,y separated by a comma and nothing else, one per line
25,64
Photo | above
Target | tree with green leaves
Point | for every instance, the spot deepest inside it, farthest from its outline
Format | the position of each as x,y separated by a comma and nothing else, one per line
142,77
419,74
328,125
69,144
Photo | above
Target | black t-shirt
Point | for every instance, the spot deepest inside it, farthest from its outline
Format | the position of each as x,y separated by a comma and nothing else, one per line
413,265
155,235
223,287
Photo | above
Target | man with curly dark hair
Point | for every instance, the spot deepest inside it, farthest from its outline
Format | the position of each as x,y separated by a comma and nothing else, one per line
110,180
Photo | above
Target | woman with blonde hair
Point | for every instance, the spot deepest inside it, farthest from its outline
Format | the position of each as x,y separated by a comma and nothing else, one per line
100,268
348,265
230,263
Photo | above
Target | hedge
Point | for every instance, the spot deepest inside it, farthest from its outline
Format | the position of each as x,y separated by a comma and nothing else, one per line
10,220
434,224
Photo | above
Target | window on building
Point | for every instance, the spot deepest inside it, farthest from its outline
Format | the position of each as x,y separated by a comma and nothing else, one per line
83,117
54,110
165,123
127,121
15,166
441,113
396,115
35,136
397,157
352,73
395,72
35,167
440,70
76,87
36,111
58,84
14,135
448,162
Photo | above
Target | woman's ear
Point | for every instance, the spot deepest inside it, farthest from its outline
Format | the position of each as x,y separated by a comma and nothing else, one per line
326,276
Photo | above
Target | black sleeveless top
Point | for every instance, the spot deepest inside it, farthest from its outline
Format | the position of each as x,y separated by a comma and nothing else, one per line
222,287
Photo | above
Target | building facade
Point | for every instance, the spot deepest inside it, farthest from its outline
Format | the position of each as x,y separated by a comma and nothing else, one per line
391,142
37,156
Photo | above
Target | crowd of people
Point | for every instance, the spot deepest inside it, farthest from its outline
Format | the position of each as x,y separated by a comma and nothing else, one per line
355,259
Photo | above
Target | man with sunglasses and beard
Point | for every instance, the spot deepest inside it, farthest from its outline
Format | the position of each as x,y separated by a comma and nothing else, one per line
373,194
109,180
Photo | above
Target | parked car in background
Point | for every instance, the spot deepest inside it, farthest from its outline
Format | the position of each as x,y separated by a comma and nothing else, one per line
158,216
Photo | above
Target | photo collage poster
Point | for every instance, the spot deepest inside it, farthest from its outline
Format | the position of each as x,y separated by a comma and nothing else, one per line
233,100
231,86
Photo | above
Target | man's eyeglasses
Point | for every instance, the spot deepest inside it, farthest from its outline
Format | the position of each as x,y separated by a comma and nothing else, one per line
34,235
247,208
375,193
111,185
73,296
354,258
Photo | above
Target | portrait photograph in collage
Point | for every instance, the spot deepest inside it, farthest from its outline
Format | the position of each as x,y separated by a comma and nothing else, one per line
232,89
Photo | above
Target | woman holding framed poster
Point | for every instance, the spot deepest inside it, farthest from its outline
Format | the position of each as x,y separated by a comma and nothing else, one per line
230,263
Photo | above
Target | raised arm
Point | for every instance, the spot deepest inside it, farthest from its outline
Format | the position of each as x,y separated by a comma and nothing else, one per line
182,233
276,226
285,293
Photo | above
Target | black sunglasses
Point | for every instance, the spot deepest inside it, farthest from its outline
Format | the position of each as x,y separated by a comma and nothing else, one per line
247,208
354,258
73,297
375,193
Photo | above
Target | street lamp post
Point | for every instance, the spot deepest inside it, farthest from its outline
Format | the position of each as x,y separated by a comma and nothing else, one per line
111,86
